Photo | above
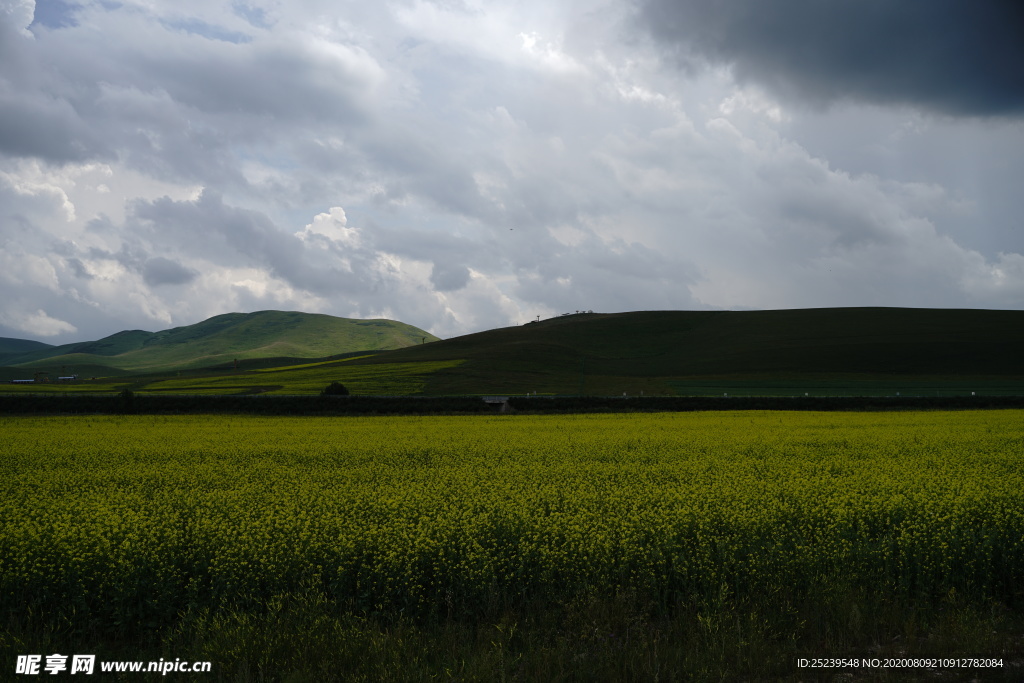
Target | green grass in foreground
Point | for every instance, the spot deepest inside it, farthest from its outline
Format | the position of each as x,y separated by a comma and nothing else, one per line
701,546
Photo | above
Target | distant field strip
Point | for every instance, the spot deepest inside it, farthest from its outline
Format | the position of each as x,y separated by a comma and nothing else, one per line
387,379
123,520
59,388
911,386
321,363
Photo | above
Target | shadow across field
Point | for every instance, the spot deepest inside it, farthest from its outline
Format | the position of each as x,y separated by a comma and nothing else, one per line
256,403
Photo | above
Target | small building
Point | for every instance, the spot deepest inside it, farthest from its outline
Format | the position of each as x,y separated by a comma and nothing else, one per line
498,404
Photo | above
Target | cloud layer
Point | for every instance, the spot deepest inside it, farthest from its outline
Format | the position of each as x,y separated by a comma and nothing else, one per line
953,56
461,166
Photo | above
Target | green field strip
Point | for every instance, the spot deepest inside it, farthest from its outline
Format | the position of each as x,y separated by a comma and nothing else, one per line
847,387
58,388
378,379
322,363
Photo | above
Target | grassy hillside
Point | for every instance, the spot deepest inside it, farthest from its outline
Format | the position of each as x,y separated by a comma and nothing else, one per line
820,352
223,339
12,346
81,354
660,351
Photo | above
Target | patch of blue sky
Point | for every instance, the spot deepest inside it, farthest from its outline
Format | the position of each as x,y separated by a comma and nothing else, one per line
201,28
256,16
55,14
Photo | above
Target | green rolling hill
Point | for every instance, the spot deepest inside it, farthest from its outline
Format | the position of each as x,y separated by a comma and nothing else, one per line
828,351
220,340
683,352
12,348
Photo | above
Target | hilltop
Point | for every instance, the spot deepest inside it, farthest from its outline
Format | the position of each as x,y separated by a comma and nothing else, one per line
222,339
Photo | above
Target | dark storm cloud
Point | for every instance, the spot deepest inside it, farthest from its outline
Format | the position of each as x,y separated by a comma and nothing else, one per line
959,57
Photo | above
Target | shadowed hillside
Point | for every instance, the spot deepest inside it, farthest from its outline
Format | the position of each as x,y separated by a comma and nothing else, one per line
654,351
12,348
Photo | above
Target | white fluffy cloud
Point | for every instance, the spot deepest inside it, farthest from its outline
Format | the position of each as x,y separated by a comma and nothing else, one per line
36,323
459,166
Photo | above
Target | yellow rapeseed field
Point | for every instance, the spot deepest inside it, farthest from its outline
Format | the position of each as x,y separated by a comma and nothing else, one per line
135,519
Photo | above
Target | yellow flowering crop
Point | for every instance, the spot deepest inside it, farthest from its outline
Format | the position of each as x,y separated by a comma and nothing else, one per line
133,519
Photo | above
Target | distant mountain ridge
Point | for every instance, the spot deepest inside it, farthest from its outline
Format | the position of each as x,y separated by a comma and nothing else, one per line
220,339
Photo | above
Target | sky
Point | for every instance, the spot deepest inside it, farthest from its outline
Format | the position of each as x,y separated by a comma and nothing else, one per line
462,165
